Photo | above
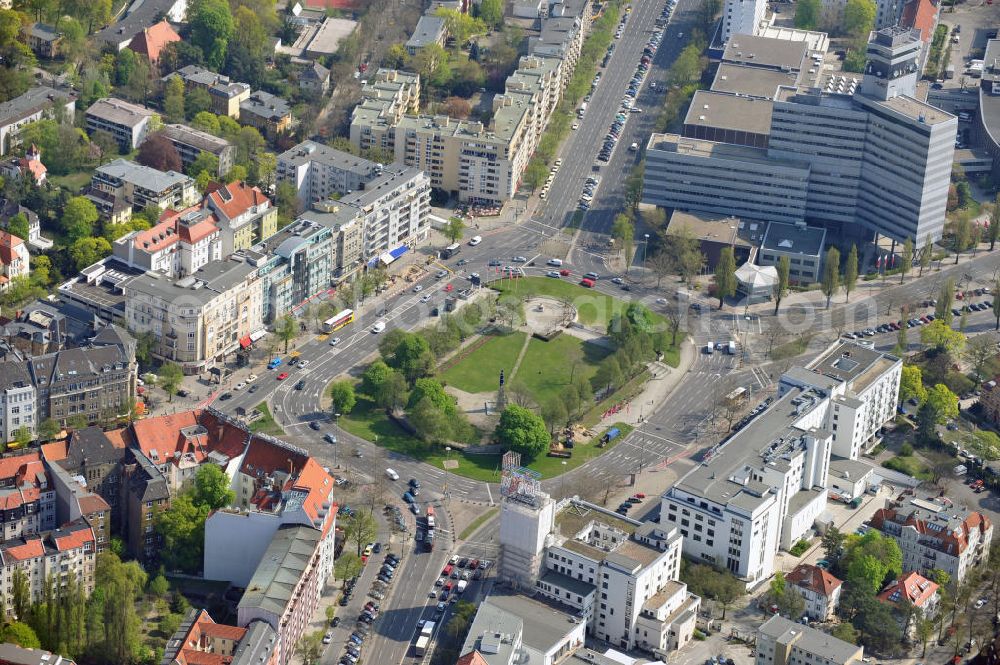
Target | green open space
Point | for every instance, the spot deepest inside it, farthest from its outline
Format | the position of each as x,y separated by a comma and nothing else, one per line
479,371
593,307
266,424
548,367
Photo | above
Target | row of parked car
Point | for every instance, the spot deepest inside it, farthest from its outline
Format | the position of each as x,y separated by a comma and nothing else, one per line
922,320
627,504
370,612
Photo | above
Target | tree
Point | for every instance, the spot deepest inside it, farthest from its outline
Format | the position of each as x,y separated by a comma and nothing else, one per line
454,229
870,559
182,528
962,235
491,11
727,591
360,529
906,261
850,272
781,286
832,544
211,29
926,254
287,329
993,230
170,377
807,14
941,403
342,396
938,335
20,594
384,385
911,384
831,274
159,153
20,634
431,423
522,431
173,99
22,436
310,647
409,353
859,18
18,226
48,429
623,231
846,632
395,57
211,487
78,218
158,586
456,107
461,26
725,275
685,252
945,299
535,174
347,566
978,353
87,251
204,162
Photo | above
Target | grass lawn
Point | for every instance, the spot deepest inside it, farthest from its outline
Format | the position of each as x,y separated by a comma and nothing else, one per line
266,424
480,370
910,465
593,307
791,349
476,523
548,367
72,181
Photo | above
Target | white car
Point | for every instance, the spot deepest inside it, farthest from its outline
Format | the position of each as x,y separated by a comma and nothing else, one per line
251,378
558,162
239,386
418,288
378,327
425,299
335,341
575,126
301,364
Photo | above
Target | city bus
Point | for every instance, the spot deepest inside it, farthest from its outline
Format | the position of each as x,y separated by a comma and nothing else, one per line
339,321
450,251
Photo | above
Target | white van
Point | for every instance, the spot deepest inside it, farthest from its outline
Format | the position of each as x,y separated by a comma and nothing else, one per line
475,241
555,263
378,327
710,348
392,475
731,347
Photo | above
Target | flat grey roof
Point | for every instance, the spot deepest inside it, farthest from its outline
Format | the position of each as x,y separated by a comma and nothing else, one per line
195,138
810,640
765,52
795,239
849,361
119,111
497,628
311,151
265,105
428,31
280,569
543,625
215,277
726,111
849,469
330,34
753,81
31,102
394,175
141,176
571,584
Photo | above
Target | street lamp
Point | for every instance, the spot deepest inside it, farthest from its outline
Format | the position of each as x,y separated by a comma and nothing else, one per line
645,244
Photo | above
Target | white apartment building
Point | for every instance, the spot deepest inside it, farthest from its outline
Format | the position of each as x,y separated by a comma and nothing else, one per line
17,400
764,486
319,172
619,574
67,552
510,628
179,245
200,319
784,642
395,210
934,533
143,187
859,154
741,17
35,104
128,123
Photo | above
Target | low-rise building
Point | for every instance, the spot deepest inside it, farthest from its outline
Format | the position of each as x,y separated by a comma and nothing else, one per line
14,259
44,40
190,143
315,78
30,166
802,244
270,114
934,533
989,400
12,654
429,30
151,41
37,103
819,589
200,640
9,208
912,597
144,187
781,641
226,94
140,14
129,124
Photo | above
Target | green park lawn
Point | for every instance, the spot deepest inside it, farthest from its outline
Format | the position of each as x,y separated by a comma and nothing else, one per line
593,307
479,371
548,367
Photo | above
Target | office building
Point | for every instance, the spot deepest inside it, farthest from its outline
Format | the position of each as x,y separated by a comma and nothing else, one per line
803,245
986,124
620,576
143,187
781,139
319,172
741,17
37,103
200,319
190,143
128,124
934,533
226,94
764,486
784,642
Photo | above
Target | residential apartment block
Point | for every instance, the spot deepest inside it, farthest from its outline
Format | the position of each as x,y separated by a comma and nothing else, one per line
390,95
764,486
618,574
181,244
395,211
144,187
129,124
37,103
190,143
199,639
779,138
199,319
68,552
243,213
818,588
226,94
912,597
320,172
934,533
270,114
781,641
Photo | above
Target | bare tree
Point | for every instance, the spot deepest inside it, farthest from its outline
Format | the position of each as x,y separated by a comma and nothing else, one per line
978,353
662,265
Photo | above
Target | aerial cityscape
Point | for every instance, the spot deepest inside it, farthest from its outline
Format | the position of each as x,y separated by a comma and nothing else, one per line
503,332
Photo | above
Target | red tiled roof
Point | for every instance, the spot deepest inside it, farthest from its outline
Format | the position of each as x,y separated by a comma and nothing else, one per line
223,631
922,15
264,458
195,232
151,41
73,540
236,198
912,585
164,435
119,438
34,167
156,238
8,244
319,484
813,578
55,450
192,657
471,658
203,627
29,549
93,503
951,542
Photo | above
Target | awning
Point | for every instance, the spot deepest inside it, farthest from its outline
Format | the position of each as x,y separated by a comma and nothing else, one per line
254,336
245,342
399,251
386,258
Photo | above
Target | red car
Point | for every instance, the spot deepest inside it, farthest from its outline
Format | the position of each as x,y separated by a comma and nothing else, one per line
639,495
282,376
564,272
